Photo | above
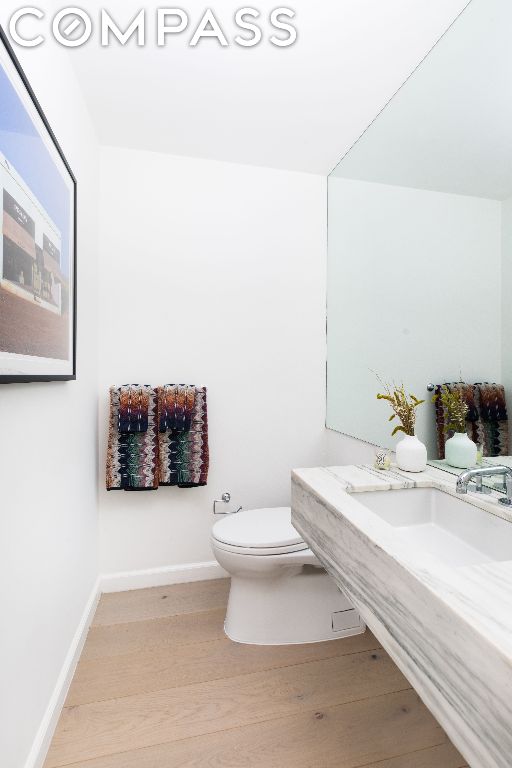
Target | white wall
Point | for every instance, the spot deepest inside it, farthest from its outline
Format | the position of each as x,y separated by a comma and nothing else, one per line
414,294
212,273
342,449
49,531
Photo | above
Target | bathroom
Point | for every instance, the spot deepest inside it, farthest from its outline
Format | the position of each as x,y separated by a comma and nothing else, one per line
225,196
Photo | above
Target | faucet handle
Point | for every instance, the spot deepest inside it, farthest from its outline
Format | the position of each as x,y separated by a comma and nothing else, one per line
477,486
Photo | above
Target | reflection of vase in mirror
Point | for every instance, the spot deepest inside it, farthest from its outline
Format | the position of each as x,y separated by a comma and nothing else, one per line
411,454
460,451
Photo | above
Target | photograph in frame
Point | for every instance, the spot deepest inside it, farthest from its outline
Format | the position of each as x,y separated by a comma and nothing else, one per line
37,238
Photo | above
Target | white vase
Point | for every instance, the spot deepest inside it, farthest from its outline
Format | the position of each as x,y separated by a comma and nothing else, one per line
411,454
460,451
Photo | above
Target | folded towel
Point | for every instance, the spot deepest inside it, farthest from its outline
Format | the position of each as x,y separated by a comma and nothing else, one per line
175,407
493,418
183,436
133,409
132,455
493,406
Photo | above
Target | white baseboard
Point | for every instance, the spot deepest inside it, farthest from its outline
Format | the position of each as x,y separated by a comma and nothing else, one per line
161,577
49,722
112,582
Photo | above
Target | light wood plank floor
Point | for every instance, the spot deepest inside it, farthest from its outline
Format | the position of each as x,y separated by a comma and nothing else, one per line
160,686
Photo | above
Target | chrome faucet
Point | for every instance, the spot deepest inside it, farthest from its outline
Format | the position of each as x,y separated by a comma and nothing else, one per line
477,475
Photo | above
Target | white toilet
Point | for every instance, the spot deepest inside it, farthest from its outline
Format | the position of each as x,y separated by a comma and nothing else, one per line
279,592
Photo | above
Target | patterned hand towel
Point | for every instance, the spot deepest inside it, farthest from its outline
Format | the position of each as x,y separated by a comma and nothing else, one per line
132,456
183,435
175,407
133,409
493,418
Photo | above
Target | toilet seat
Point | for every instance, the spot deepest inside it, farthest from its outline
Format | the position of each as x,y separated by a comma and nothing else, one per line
255,551
258,532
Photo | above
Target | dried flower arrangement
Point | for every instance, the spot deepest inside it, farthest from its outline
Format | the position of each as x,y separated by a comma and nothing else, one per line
403,405
456,408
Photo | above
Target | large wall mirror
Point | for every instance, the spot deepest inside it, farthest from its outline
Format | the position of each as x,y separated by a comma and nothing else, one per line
420,237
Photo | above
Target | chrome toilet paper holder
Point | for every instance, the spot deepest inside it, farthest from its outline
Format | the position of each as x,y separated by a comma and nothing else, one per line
224,499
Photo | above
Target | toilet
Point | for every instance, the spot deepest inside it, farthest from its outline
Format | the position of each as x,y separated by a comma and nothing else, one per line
280,593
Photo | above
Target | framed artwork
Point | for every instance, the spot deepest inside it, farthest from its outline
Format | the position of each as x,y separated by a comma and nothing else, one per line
37,238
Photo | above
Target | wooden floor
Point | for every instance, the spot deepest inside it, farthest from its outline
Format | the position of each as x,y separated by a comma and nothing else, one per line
160,686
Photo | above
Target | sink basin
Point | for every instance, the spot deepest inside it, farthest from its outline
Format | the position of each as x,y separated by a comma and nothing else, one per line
447,527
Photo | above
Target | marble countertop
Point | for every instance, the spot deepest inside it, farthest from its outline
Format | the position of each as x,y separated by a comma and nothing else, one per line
448,628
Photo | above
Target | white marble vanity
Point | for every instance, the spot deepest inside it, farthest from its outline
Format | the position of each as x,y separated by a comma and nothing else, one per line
431,574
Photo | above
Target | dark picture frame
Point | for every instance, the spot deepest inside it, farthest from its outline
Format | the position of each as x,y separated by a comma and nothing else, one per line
38,237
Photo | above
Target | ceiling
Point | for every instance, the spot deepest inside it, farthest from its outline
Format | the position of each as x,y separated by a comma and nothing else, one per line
449,128
298,108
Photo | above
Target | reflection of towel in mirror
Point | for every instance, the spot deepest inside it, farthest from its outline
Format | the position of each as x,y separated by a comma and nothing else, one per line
132,456
183,435
492,407
486,421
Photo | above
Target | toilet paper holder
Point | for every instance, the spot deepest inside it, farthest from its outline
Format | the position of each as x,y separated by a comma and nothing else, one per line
224,499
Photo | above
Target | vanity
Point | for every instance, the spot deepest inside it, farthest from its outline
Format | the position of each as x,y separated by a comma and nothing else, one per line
430,572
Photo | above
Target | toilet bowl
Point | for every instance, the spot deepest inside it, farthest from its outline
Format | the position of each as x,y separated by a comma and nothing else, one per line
279,593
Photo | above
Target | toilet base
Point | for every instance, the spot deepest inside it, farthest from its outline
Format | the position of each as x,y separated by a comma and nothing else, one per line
300,605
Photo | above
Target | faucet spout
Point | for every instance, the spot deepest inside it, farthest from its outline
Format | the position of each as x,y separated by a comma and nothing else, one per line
478,474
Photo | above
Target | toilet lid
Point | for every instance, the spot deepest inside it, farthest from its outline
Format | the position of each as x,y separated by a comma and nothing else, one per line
258,528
